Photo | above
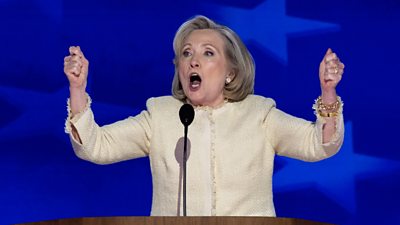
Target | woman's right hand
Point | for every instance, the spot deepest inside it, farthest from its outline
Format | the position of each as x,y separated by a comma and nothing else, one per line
76,68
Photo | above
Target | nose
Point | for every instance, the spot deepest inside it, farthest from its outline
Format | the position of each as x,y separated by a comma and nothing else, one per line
194,63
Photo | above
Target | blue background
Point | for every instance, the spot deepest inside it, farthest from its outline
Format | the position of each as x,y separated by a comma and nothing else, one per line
129,46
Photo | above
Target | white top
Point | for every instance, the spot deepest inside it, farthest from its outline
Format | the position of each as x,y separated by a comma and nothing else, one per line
232,149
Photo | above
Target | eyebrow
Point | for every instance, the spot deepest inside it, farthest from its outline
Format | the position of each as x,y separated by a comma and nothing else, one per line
207,44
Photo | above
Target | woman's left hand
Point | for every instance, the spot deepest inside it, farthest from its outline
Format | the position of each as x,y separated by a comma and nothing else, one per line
330,73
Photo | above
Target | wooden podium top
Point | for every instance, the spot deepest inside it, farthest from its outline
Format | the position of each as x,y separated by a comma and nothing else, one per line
225,220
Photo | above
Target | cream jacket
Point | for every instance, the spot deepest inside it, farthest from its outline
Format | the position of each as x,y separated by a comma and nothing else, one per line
232,149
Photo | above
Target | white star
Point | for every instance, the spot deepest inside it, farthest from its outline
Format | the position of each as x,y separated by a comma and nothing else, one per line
334,176
269,25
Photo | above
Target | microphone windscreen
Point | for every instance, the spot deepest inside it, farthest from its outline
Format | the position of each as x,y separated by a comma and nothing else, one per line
186,114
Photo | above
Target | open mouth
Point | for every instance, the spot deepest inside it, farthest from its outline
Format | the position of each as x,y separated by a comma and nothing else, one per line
195,80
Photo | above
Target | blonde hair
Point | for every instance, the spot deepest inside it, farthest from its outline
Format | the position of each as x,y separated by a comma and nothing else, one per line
238,56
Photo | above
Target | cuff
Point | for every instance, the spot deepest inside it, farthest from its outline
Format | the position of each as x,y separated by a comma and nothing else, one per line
73,119
337,137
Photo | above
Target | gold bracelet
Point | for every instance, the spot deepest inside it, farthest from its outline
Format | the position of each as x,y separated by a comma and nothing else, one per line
333,109
327,114
327,107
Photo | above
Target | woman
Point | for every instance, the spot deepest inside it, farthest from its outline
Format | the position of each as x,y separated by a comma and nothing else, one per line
233,138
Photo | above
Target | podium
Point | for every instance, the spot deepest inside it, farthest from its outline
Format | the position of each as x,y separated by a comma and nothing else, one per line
172,220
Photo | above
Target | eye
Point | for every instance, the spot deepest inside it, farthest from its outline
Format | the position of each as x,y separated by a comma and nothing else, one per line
208,53
186,53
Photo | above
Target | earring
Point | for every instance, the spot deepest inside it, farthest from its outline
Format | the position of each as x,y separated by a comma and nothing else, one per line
228,80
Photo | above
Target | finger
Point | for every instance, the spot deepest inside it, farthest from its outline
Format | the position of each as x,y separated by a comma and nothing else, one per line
70,72
76,59
78,56
329,51
80,53
328,77
73,71
85,67
76,71
69,68
331,57
332,70
84,60
75,50
75,66
332,77
332,64
67,58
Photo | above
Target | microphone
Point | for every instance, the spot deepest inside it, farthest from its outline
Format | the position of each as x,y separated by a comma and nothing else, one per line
186,114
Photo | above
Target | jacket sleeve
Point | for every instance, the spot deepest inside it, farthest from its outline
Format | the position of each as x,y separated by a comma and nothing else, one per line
122,140
297,138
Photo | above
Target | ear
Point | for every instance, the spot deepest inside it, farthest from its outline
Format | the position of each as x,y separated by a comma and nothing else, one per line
229,78
231,75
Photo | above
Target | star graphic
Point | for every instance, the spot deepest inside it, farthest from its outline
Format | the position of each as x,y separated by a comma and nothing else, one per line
269,25
334,176
44,113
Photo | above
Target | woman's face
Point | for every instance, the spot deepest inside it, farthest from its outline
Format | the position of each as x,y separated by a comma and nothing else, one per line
203,68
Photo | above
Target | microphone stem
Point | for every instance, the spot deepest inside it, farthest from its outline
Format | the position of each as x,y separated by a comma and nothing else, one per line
184,170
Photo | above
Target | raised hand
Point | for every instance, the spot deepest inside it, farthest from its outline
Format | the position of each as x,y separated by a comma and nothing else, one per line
76,68
330,73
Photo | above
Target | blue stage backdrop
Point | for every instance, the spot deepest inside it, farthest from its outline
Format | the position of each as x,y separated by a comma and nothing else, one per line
129,46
